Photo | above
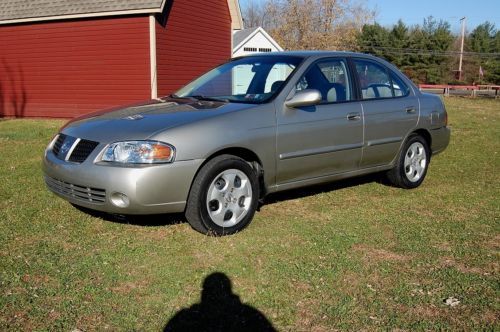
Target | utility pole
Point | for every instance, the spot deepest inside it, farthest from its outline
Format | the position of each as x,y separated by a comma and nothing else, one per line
461,49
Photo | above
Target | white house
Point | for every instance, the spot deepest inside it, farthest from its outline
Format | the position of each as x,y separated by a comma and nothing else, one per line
253,40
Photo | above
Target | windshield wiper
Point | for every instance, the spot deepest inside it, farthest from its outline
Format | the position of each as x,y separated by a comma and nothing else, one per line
206,98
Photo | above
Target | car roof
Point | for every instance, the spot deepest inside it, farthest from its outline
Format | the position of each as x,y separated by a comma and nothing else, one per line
308,54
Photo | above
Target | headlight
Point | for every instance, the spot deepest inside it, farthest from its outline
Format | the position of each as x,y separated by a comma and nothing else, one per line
139,152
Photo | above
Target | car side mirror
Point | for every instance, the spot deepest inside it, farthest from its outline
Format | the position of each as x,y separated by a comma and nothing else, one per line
307,97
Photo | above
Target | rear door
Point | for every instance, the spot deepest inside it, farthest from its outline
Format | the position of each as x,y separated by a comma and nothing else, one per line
326,138
390,109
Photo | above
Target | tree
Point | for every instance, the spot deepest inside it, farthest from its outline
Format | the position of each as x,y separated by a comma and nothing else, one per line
311,24
375,39
254,14
398,39
419,51
440,40
485,39
481,38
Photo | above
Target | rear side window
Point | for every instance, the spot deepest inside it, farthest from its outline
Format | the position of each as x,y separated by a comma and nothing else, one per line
377,82
373,80
398,86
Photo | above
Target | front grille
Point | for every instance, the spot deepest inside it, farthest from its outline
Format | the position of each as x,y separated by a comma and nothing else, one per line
78,154
57,145
82,150
73,191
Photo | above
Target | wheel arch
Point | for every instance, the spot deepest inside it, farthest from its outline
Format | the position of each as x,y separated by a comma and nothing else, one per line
421,132
426,135
244,153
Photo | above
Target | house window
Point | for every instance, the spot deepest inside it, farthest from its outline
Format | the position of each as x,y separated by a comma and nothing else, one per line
255,49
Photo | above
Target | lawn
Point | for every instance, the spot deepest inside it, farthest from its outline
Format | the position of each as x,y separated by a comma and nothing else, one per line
347,256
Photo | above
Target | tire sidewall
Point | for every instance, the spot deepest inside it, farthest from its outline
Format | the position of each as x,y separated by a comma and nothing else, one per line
413,139
213,171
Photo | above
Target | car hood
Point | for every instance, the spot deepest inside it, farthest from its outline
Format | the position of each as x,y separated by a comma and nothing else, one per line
141,121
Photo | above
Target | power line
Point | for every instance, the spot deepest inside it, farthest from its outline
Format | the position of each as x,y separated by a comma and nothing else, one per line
418,51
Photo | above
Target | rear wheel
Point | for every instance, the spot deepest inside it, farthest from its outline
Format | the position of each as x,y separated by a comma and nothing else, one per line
412,163
223,197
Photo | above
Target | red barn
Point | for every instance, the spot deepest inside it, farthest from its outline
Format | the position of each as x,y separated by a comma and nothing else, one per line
62,58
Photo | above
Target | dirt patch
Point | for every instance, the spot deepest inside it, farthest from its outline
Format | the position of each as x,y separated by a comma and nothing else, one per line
17,320
129,286
428,312
207,259
443,246
90,323
489,317
457,317
54,315
307,316
39,281
492,269
300,285
375,255
493,243
350,282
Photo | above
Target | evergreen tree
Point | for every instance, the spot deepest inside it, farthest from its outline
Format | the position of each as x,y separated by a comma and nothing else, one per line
398,41
374,39
485,38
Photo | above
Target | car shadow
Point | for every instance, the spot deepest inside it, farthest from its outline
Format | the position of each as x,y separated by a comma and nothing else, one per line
219,310
152,220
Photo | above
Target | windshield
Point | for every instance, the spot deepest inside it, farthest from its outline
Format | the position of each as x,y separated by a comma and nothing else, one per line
254,79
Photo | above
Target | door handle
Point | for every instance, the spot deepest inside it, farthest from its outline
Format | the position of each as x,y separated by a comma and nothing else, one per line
410,110
353,116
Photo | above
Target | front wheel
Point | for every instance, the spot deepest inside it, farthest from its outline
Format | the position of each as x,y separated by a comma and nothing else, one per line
223,197
412,164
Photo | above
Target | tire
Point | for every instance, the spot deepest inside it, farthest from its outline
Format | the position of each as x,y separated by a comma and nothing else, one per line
412,163
223,197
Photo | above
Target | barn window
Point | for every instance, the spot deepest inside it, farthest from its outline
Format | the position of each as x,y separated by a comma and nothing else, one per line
265,50
250,49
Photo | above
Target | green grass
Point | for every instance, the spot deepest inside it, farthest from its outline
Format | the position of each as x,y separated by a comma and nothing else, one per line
354,255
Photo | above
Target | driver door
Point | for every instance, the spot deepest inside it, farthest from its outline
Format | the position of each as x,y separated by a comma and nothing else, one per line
324,139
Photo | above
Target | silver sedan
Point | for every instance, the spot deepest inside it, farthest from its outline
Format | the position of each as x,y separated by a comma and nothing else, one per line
250,127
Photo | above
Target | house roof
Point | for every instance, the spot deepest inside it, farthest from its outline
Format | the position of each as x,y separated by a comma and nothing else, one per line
15,11
240,35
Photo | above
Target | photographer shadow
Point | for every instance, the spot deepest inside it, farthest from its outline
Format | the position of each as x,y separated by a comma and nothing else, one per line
219,310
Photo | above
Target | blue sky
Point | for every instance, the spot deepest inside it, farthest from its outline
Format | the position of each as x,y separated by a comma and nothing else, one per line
413,12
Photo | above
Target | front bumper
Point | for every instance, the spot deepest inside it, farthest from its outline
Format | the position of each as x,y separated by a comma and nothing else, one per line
152,189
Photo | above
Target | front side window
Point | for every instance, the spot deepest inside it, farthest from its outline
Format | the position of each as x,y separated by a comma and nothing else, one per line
329,77
253,79
373,80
